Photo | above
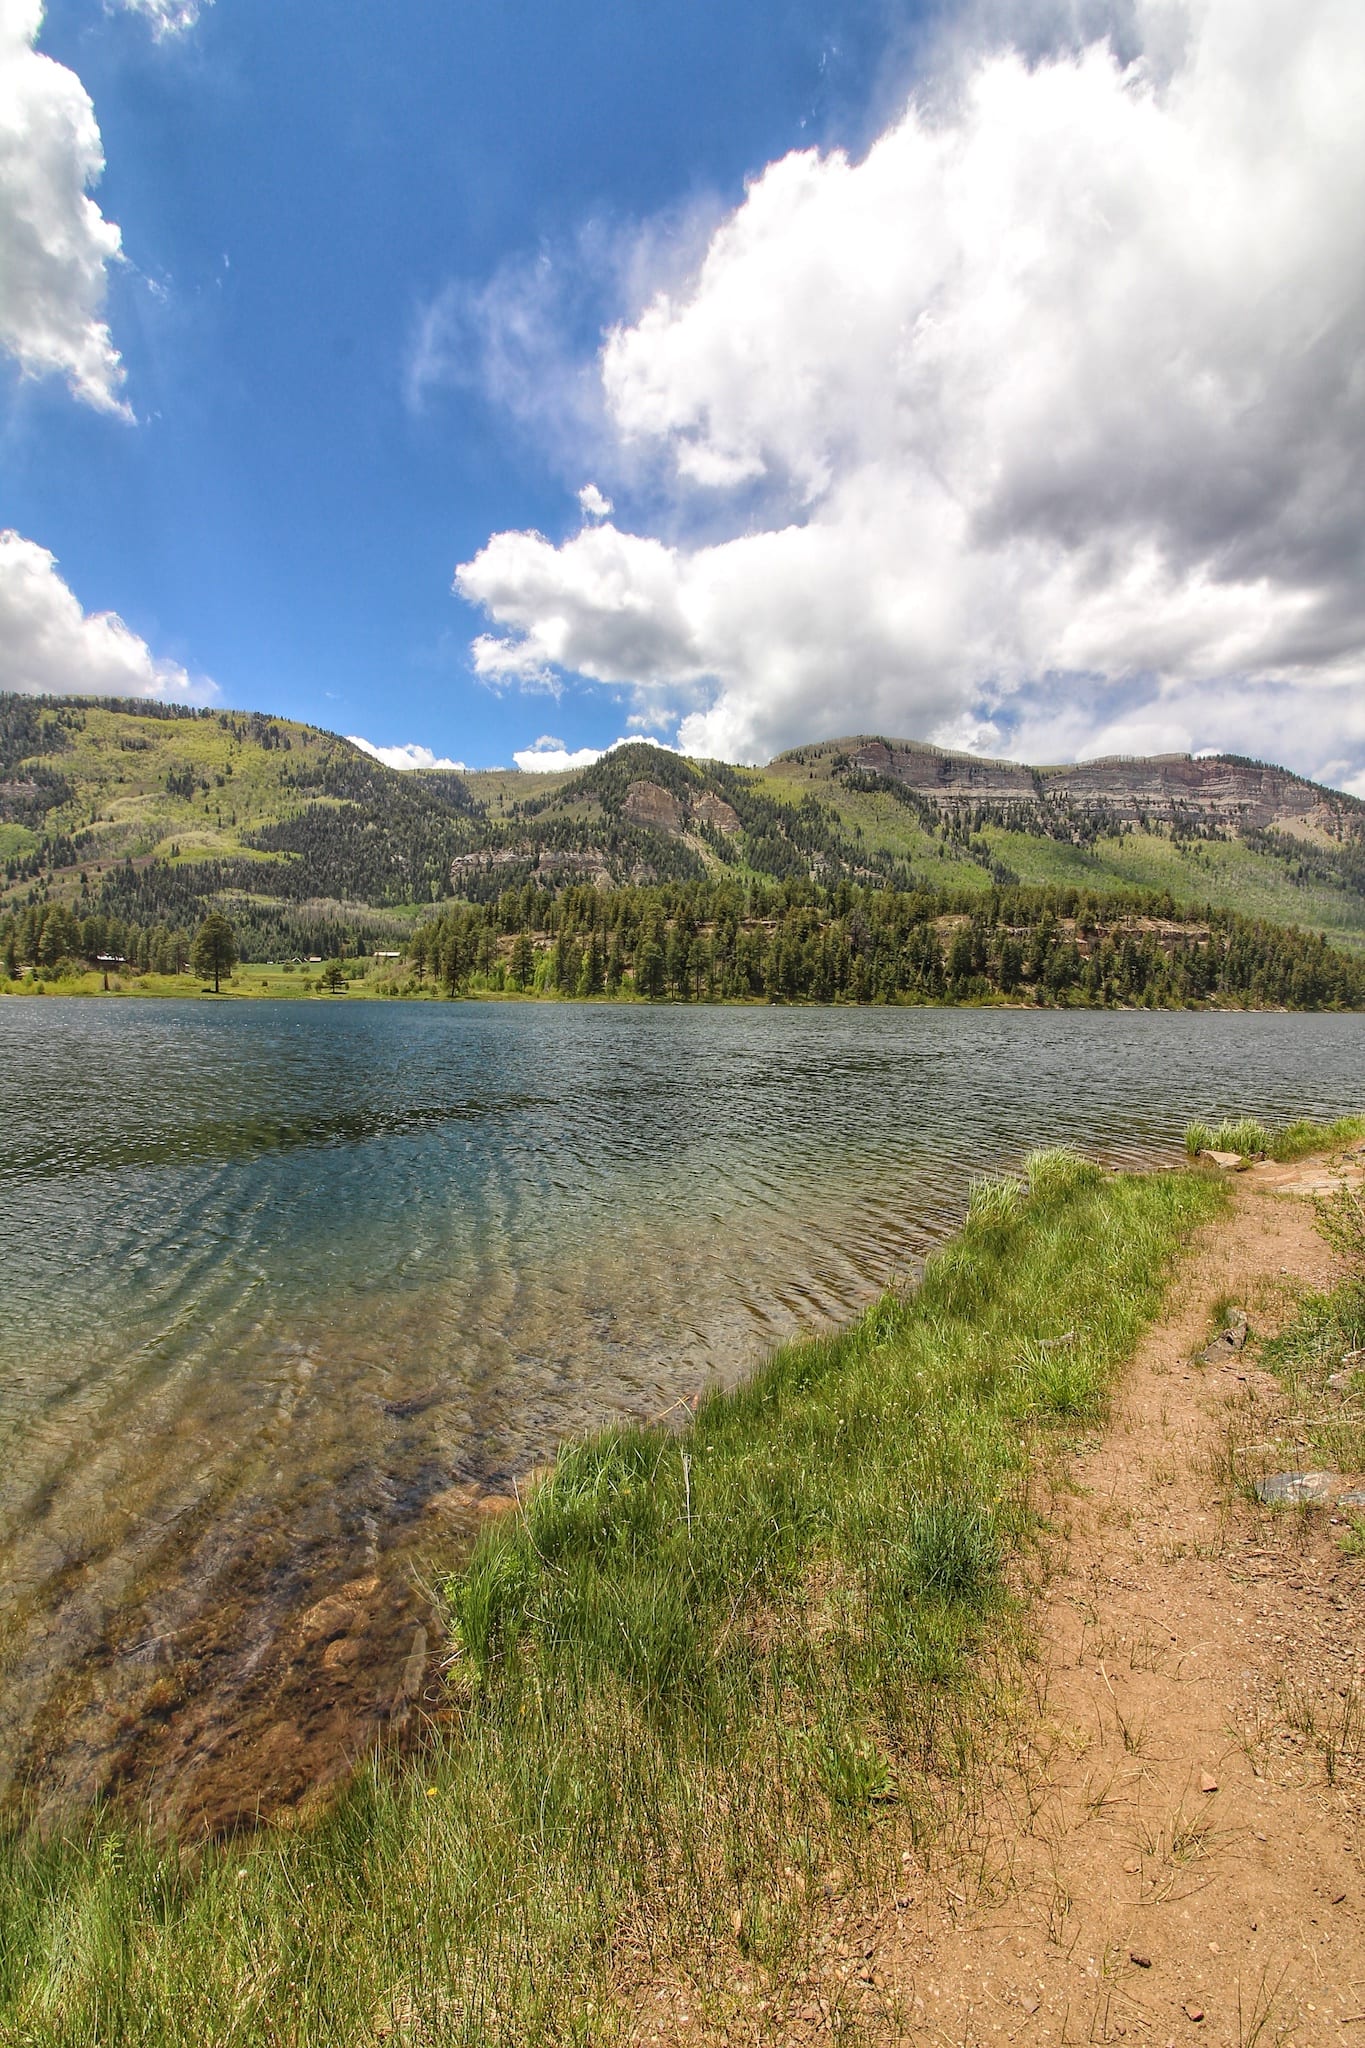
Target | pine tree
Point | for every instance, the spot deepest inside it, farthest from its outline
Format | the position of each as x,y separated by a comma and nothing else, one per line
215,948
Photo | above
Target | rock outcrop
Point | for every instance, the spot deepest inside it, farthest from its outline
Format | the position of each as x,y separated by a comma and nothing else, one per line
1222,788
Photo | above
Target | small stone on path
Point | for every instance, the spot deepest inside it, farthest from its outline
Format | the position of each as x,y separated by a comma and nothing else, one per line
1288,1489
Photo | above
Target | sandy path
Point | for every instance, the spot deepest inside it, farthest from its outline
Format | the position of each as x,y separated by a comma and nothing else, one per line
1180,1858
1176,1853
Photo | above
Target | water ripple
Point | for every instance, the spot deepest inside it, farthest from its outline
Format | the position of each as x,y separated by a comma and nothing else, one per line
275,1276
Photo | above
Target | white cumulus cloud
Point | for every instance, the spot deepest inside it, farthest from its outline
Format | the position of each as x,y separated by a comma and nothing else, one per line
55,245
594,503
1044,421
49,646
553,757
411,755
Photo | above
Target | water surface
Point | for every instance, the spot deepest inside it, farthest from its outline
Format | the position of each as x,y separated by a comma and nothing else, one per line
289,1288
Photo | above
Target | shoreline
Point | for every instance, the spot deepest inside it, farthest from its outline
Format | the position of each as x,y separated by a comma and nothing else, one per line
1040,1301
188,990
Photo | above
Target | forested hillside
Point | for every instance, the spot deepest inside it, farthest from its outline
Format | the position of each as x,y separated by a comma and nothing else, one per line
134,819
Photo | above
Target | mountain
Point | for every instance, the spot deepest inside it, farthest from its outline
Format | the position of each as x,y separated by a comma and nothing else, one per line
152,812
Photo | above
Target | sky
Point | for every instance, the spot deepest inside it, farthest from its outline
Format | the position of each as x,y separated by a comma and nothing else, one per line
492,384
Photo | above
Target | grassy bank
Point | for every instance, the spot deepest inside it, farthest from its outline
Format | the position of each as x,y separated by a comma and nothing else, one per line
706,1679
1249,1138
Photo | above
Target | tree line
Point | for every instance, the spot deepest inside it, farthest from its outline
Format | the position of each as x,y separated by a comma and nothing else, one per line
798,941
51,939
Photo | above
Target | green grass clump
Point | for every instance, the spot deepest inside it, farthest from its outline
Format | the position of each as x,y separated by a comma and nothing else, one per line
1246,1135
994,1199
1297,1140
1249,1137
700,1676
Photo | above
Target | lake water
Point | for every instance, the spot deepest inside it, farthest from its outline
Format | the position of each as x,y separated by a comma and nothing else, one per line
289,1289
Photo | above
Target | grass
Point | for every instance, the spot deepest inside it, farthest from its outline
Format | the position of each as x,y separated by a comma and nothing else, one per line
249,979
1319,1355
702,1681
1298,1140
1244,1135
1251,1139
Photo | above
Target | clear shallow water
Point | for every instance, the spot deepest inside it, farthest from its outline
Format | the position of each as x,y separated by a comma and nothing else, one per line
277,1280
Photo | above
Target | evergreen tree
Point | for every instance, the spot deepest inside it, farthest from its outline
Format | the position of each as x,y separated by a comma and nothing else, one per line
523,961
215,948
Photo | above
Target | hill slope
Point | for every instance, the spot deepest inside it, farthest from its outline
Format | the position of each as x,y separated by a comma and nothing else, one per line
152,812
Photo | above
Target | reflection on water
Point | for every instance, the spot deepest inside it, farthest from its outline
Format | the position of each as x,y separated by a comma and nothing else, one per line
286,1287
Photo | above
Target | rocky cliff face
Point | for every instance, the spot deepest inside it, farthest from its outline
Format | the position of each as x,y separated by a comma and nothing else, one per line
1220,788
646,803
650,805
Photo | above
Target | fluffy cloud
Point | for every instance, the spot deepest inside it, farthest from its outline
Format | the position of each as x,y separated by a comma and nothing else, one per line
593,503
413,755
55,245
1044,422
49,646
552,756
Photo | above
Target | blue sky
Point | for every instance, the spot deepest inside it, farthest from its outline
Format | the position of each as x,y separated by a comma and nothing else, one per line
971,375
295,186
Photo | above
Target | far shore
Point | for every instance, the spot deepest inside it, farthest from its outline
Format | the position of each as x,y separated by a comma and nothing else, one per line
252,982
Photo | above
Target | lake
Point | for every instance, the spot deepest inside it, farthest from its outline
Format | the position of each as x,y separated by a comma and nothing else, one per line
293,1291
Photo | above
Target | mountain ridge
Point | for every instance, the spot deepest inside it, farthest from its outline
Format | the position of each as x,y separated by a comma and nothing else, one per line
308,842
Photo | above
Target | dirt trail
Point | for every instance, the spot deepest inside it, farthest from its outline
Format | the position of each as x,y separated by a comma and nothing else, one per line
1178,1852
1192,1864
